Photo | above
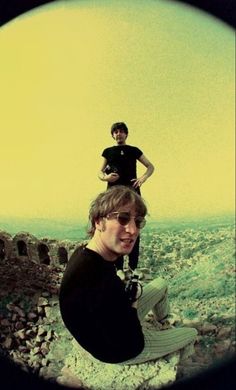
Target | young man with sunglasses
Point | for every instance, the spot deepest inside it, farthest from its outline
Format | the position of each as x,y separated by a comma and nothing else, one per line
119,167
94,302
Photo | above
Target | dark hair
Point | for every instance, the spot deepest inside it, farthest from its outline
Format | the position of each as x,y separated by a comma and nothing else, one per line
119,125
113,199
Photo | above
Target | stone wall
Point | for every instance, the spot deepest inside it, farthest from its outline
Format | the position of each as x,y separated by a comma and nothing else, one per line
41,251
5,245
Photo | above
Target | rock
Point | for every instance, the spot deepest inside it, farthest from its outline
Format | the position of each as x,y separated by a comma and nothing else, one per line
14,317
19,325
207,328
43,301
54,300
20,334
98,375
186,352
40,320
8,343
32,316
30,333
48,311
10,307
49,335
39,340
41,331
69,379
19,311
222,347
193,323
44,351
5,322
44,362
54,290
23,348
35,351
41,310
45,345
45,294
29,344
35,365
47,372
224,332
17,358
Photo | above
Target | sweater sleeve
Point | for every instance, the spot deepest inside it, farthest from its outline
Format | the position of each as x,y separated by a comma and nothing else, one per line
117,321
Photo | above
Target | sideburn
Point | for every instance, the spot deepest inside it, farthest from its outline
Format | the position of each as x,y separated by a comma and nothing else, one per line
100,224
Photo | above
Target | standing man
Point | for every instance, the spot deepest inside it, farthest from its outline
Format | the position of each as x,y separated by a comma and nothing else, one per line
120,167
104,318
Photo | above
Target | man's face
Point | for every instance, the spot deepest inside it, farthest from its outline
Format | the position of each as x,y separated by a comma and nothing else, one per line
116,239
119,136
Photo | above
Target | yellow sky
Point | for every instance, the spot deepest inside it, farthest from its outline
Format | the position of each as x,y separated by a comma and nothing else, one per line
68,72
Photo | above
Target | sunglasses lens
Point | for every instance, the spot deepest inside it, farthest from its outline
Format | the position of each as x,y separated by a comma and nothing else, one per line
140,222
123,218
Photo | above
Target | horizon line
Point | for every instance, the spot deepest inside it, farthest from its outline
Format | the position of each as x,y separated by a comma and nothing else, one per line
150,218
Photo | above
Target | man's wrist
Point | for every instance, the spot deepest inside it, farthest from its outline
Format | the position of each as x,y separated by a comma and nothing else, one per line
135,304
145,176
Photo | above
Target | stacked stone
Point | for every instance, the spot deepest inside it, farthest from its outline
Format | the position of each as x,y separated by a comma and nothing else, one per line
26,335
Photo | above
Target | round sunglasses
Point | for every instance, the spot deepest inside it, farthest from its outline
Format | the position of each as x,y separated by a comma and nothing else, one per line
124,218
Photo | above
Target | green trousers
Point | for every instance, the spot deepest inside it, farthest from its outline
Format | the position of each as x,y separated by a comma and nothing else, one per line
159,343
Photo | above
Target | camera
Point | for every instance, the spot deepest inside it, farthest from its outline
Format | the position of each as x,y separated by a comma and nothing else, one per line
131,288
110,169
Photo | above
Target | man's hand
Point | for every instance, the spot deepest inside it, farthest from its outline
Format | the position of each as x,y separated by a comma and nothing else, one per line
112,177
138,182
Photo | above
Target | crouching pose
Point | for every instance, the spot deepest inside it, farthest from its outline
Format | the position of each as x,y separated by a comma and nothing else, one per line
94,303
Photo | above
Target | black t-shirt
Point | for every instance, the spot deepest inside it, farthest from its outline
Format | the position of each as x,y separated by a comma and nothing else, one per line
123,158
96,310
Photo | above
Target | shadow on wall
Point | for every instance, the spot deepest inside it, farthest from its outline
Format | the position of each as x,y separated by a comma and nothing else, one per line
41,251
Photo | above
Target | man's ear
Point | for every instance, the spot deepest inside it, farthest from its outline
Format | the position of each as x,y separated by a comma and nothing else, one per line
100,224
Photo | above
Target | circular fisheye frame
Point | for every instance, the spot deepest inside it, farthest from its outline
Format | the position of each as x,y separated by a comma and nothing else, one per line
221,375
222,9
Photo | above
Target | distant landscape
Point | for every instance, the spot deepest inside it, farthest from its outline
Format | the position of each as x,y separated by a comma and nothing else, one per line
42,227
77,230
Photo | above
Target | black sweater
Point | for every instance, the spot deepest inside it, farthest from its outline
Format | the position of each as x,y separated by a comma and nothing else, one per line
96,310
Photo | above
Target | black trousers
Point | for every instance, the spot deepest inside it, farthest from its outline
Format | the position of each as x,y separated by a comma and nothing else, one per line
133,257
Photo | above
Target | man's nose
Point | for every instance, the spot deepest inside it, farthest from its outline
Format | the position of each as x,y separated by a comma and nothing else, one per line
131,226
